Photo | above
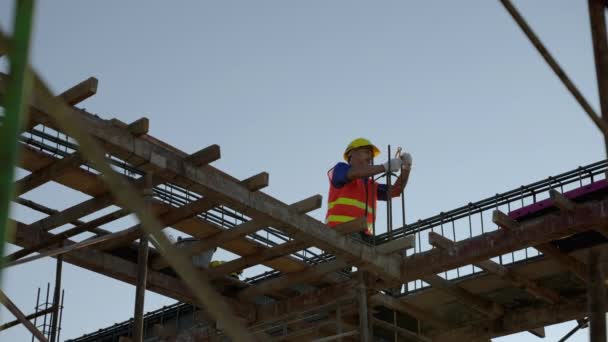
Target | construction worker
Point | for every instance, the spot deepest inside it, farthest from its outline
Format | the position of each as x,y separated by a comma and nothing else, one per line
353,192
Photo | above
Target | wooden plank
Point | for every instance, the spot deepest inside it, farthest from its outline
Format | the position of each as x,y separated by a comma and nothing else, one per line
486,246
177,215
206,155
480,304
596,297
80,91
39,177
570,263
410,310
241,230
139,127
121,269
11,324
68,233
520,319
392,246
88,183
490,266
561,201
12,308
290,279
236,265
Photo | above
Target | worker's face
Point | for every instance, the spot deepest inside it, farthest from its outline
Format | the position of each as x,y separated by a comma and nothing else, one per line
361,156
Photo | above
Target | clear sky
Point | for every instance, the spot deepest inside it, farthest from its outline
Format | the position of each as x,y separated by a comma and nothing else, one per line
283,86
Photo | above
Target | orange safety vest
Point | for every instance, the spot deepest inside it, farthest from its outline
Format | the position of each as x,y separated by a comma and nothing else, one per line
348,203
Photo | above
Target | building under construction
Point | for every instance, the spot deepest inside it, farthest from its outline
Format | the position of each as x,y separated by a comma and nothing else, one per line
515,262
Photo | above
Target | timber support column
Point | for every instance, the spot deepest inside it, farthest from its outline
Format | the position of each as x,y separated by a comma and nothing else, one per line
142,274
364,326
596,298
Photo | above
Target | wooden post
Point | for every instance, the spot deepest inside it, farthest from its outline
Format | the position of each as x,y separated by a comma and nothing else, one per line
363,312
596,298
56,299
142,274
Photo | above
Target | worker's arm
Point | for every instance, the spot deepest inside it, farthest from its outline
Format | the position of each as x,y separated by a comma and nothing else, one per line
364,171
401,182
355,172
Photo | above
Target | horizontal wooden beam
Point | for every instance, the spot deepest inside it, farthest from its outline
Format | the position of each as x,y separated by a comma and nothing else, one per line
332,295
121,269
482,305
81,91
426,317
505,273
404,243
241,230
115,215
564,260
236,265
39,177
206,155
532,232
521,319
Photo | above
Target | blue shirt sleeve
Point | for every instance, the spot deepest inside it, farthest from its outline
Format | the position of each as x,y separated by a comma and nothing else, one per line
337,175
382,192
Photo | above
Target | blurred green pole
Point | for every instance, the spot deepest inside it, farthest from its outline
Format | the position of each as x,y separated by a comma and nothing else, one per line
19,86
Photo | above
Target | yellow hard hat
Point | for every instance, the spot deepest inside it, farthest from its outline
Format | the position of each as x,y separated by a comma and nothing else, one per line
360,142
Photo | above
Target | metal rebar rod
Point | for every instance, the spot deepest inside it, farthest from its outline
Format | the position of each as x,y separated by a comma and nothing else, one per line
603,127
600,52
56,299
36,310
14,104
21,317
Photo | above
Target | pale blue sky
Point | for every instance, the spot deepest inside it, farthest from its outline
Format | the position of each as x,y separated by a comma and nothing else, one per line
282,86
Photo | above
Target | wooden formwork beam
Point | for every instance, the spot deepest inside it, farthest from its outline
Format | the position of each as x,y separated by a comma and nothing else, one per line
482,305
38,178
88,183
214,185
517,320
177,215
532,232
411,310
80,91
568,262
400,244
239,231
121,269
236,265
492,267
115,215
331,295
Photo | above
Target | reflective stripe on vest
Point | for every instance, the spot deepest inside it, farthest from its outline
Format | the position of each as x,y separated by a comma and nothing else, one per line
343,218
350,201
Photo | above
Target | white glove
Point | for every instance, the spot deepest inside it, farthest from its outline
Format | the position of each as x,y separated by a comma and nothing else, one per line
395,165
407,160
